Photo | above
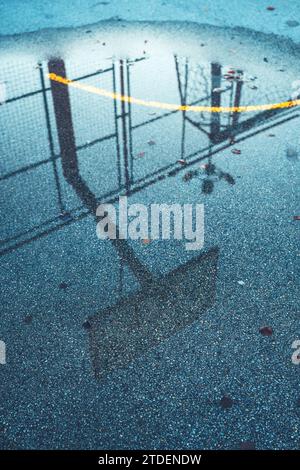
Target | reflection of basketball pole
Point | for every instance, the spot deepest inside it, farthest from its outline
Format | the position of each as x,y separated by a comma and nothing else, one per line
64,124
66,137
215,101
124,332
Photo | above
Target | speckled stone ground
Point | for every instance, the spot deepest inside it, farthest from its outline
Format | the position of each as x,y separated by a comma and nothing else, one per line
212,382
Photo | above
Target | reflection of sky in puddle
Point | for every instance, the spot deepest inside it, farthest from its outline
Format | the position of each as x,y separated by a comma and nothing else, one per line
63,151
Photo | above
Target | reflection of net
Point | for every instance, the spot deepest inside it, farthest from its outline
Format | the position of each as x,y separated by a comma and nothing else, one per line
194,85
198,87
195,79
272,94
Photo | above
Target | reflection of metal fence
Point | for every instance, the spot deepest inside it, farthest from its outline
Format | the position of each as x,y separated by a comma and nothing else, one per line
30,149
106,138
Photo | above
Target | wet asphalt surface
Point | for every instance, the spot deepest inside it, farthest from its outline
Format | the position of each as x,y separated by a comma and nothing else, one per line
145,344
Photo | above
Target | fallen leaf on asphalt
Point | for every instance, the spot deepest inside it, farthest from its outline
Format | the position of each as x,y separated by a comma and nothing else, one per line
188,176
28,319
227,177
140,154
86,325
63,285
266,331
226,402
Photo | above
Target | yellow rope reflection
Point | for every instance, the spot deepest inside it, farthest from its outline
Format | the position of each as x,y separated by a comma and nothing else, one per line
170,106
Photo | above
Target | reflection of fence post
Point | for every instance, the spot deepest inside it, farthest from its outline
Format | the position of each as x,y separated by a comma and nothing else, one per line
63,117
215,101
124,115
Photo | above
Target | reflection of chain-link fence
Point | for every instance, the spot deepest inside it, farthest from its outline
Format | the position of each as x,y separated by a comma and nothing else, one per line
30,152
22,115
30,147
118,147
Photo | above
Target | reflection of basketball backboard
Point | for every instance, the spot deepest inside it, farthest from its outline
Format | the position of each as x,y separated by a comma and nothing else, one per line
120,334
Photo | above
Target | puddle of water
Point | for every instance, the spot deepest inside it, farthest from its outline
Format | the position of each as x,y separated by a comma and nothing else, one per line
101,308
